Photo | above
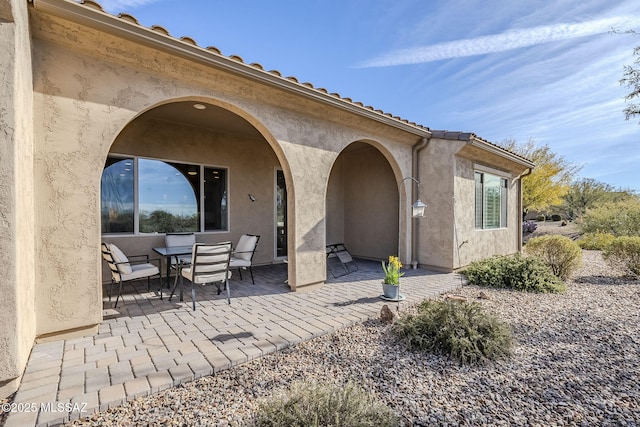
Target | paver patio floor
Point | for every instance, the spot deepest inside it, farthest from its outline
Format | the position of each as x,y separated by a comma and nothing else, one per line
152,344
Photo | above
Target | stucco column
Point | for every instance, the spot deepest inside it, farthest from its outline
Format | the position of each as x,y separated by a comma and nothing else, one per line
17,316
306,204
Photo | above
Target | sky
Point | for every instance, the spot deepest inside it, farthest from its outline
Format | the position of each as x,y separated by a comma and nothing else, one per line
546,70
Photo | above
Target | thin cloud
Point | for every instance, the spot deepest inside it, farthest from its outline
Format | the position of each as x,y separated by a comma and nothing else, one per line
499,42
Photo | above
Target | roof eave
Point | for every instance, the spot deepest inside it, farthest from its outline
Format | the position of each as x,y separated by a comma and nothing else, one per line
103,21
476,142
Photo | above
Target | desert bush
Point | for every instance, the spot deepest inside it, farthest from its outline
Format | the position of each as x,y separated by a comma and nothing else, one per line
620,218
556,217
527,274
561,254
317,405
596,241
459,330
624,253
540,218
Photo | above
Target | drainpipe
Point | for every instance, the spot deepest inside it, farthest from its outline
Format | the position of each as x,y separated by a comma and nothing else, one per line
519,240
415,172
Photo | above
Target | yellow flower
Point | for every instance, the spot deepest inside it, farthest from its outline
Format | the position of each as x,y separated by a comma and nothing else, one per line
392,270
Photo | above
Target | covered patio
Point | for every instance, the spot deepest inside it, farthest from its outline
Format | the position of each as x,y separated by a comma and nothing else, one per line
150,344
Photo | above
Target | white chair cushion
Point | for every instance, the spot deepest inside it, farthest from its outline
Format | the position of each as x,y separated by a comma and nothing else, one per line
212,278
179,240
120,257
245,247
141,270
238,262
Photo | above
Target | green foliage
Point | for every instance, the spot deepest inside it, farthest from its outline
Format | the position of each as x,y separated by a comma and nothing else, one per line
587,193
596,241
160,221
460,330
391,270
624,253
550,178
561,254
528,274
324,405
620,218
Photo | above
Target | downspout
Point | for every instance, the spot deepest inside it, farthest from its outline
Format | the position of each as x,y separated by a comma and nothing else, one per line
415,172
519,240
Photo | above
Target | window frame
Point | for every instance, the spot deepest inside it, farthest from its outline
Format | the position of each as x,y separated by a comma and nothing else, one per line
200,199
480,206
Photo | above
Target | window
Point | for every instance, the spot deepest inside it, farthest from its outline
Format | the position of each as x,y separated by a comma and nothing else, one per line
491,201
141,195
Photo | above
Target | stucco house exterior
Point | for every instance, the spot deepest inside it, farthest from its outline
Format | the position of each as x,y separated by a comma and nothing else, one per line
85,92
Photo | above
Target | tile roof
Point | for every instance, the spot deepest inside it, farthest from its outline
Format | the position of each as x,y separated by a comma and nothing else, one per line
214,50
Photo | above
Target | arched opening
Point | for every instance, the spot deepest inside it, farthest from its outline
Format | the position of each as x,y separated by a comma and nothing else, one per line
193,166
362,203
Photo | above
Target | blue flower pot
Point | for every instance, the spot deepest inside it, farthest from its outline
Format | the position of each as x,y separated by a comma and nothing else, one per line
390,291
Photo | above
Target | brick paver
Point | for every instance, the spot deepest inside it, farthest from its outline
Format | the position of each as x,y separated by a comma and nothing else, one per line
150,345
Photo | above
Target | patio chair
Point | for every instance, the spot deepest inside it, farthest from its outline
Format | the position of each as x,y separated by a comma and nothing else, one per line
242,256
339,258
179,239
209,264
131,268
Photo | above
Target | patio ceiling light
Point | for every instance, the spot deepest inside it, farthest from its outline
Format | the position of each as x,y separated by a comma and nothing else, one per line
199,106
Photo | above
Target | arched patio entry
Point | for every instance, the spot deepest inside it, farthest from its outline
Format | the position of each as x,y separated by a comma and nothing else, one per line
195,166
362,203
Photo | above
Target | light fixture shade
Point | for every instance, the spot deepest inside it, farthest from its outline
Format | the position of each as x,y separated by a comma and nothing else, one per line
417,209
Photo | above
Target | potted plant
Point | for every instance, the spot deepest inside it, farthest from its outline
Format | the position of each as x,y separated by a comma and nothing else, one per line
392,275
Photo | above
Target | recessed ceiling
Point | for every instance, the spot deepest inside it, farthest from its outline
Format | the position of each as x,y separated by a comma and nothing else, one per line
212,117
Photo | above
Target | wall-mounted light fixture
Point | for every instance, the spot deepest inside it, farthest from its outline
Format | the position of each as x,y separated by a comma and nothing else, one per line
417,209
252,197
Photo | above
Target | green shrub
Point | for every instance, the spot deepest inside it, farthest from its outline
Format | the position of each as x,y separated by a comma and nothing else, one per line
561,254
596,241
624,253
324,405
460,330
620,218
540,218
556,217
527,274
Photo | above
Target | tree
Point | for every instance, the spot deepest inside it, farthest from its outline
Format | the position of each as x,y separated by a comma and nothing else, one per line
583,194
631,79
548,182
588,193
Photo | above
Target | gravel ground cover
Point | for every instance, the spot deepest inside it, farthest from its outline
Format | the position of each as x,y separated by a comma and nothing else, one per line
576,361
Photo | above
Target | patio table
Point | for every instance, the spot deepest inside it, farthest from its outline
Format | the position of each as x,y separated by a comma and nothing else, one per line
168,253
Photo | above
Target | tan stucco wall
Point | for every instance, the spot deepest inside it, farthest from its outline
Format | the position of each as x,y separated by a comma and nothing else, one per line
17,252
371,205
475,244
362,203
436,189
91,86
447,236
